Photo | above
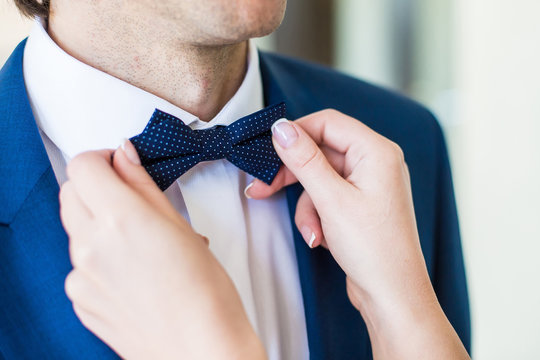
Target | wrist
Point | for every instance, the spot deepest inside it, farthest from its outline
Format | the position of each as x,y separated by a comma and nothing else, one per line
395,307
239,339
400,326
240,344
252,348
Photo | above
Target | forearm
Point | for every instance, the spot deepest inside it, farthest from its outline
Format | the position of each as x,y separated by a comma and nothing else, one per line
253,350
412,328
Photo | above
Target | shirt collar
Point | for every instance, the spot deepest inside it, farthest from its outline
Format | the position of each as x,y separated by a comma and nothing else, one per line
80,108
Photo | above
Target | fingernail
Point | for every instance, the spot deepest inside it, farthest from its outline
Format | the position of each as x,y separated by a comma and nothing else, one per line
284,133
308,235
246,190
130,152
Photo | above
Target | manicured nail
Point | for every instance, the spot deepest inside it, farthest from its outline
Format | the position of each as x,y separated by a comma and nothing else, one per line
308,235
130,152
247,188
284,133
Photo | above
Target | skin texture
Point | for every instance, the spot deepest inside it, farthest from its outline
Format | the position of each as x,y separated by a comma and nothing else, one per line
367,222
191,53
150,292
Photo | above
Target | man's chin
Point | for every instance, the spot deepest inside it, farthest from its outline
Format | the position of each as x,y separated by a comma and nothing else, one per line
224,40
239,31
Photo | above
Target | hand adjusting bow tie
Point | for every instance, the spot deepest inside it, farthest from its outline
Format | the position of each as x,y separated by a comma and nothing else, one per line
168,148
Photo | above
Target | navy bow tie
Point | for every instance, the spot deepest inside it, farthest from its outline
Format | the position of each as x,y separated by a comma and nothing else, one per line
168,148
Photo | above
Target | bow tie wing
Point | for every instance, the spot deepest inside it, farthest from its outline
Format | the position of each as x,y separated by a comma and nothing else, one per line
252,149
256,124
163,137
167,148
257,157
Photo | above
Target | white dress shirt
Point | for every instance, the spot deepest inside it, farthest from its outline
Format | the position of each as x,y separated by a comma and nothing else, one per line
79,108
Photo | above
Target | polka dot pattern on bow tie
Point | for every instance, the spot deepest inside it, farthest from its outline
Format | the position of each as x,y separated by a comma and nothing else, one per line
168,148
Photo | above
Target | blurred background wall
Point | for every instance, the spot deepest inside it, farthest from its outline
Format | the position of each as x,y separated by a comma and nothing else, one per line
476,65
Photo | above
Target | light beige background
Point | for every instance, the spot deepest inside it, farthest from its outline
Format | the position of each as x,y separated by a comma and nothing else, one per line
13,28
479,70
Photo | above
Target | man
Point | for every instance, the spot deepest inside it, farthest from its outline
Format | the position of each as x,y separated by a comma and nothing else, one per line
92,73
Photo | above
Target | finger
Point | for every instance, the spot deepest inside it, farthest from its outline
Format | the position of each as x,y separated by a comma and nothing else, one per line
128,166
335,134
84,292
258,189
337,131
346,135
407,174
308,222
85,258
88,295
96,325
76,288
305,160
74,214
97,184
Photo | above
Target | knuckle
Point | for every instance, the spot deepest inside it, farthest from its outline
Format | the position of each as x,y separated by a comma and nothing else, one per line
82,315
309,159
65,190
118,221
76,164
72,286
143,181
393,154
330,112
398,151
82,257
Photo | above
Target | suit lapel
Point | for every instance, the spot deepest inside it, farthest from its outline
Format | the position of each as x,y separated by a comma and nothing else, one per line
23,159
335,328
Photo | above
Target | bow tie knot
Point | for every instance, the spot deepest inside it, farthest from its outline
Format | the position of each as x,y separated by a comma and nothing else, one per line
215,143
168,148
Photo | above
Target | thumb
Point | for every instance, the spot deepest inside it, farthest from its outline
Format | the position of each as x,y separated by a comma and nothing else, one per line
127,164
306,161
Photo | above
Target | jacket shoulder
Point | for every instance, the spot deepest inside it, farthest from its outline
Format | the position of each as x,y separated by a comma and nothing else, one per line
11,71
384,110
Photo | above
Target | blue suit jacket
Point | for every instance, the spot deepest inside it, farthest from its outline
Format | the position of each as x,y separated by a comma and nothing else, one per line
36,318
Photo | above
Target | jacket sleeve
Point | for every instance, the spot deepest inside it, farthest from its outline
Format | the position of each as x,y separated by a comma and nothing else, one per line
449,279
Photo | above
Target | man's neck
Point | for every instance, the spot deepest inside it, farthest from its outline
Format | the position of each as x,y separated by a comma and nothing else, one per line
198,79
